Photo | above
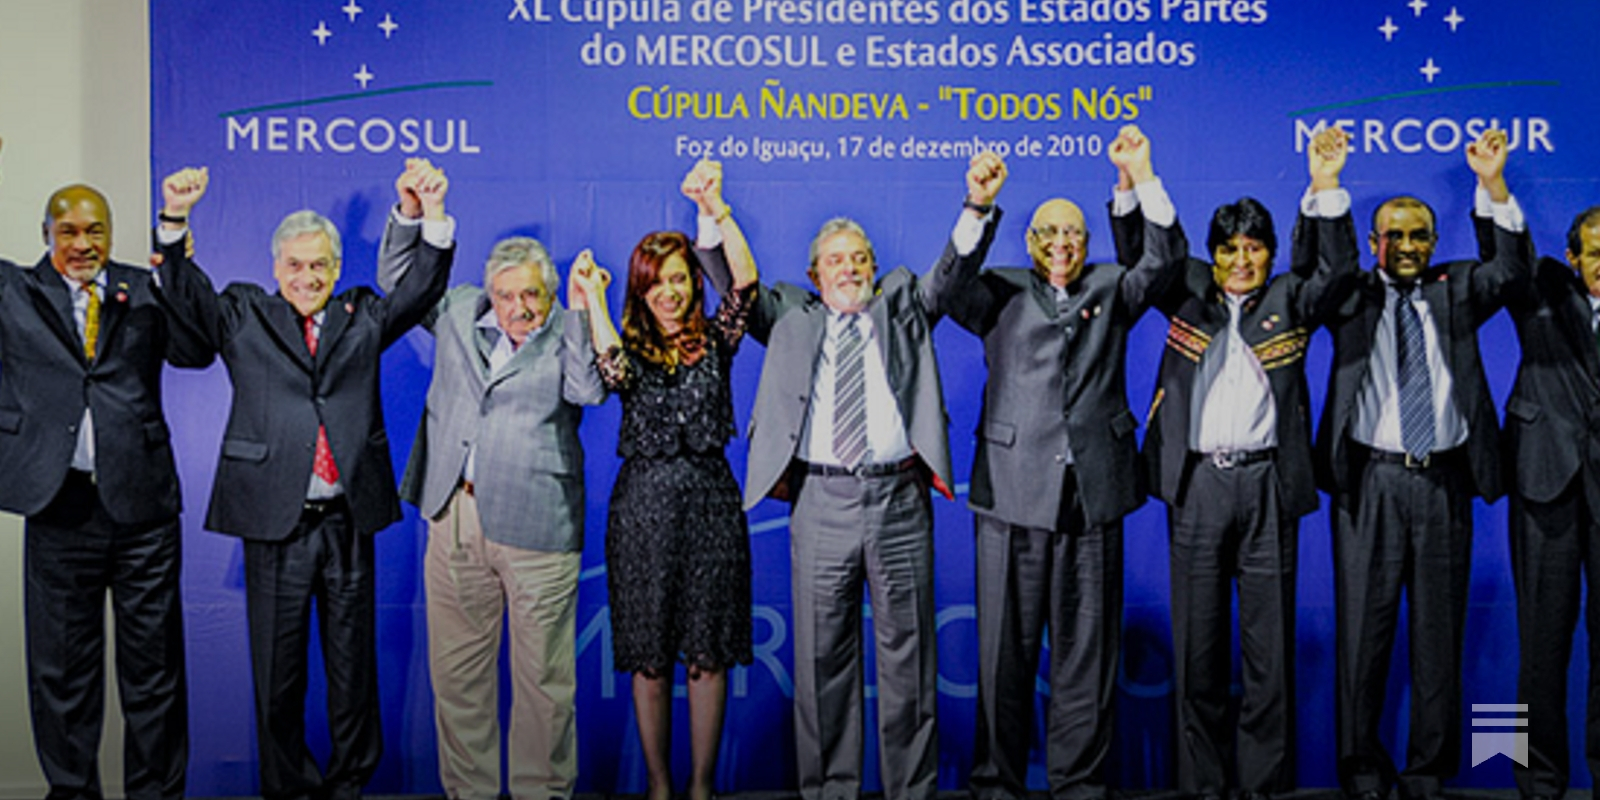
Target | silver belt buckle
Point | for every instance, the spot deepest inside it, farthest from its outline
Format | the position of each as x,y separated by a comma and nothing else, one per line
1224,459
1412,462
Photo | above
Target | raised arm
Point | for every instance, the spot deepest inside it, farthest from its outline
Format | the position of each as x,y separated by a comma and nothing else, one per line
194,313
402,233
1164,250
588,281
421,284
969,242
1496,281
737,269
1323,251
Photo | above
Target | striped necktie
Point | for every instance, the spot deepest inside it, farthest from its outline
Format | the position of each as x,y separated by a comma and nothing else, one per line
1411,370
850,395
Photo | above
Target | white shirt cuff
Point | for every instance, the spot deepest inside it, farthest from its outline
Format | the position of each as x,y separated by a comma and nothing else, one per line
401,219
1155,202
165,236
1123,202
1507,215
440,233
709,234
1327,204
968,231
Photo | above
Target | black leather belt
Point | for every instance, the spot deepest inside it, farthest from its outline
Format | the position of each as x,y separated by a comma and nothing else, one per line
1228,459
1435,459
863,470
322,508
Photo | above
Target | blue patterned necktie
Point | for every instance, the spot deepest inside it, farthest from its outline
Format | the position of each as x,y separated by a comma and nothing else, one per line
850,395
1416,385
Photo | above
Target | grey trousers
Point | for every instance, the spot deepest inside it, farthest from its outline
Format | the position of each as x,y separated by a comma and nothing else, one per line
846,530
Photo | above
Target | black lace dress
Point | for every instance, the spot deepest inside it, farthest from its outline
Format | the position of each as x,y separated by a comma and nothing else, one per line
677,544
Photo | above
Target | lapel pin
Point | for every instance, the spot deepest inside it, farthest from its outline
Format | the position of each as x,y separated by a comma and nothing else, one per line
349,308
1266,324
122,297
1084,313
1097,311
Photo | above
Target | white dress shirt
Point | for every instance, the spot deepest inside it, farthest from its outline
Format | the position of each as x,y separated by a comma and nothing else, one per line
1236,412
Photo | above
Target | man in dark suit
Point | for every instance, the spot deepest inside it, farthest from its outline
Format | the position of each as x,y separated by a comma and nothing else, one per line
1408,438
849,423
1552,442
305,476
85,457
1049,536
1229,452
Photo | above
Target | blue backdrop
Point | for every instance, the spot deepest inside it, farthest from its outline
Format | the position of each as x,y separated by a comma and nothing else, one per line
574,120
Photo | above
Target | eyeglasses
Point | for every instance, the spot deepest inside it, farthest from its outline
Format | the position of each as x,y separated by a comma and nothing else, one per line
1048,232
1418,237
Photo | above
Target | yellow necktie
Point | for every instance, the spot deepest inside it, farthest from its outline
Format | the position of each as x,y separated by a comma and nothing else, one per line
91,321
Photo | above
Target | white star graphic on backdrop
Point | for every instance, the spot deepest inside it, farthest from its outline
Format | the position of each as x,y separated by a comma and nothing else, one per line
322,33
388,25
352,10
1388,29
1416,6
1429,70
1454,19
364,76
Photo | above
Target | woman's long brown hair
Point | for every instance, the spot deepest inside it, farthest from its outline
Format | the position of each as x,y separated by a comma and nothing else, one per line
640,333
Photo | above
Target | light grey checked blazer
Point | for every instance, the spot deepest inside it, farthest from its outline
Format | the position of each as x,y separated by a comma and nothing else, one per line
523,420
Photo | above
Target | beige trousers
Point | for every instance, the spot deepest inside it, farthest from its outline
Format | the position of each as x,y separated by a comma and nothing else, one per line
472,585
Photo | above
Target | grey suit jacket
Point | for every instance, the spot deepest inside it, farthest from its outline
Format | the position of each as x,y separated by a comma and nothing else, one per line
791,321
523,420
1055,383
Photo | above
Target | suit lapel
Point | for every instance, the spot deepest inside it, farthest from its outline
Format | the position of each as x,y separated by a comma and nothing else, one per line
1043,294
334,323
1436,290
479,341
1575,313
113,306
879,311
54,301
284,324
532,348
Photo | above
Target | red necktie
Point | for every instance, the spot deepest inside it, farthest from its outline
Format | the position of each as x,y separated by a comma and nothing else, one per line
322,464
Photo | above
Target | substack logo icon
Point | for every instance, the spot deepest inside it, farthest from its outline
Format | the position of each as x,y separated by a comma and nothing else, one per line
1511,741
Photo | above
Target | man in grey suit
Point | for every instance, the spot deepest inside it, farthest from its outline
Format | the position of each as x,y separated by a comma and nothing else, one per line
1049,536
849,425
497,469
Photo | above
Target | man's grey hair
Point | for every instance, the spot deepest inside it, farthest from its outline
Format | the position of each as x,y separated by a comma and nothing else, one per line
301,223
514,251
840,225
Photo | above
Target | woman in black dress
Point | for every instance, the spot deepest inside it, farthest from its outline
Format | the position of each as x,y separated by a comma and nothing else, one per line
677,545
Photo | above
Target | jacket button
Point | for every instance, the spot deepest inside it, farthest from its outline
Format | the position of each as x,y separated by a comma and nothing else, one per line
1061,459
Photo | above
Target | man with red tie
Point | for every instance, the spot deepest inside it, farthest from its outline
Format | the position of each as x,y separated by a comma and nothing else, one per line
305,476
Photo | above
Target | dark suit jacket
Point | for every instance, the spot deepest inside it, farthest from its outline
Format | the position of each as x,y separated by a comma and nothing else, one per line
1276,323
1553,414
1055,383
791,322
1461,295
281,394
45,383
